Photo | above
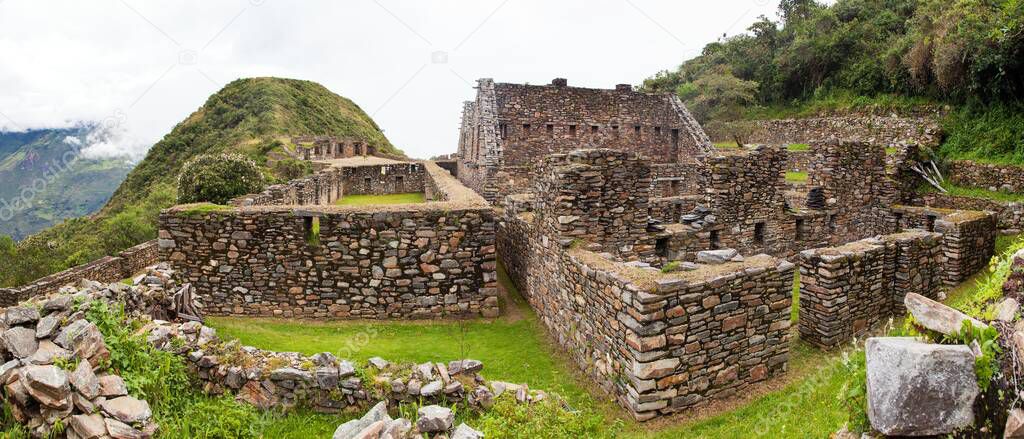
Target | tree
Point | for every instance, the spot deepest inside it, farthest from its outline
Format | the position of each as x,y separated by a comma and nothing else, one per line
717,95
218,178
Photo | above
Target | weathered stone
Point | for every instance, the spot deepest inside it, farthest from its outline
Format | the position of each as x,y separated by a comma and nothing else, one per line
1006,311
48,385
47,325
350,429
47,353
716,256
20,342
378,363
127,409
432,388
84,380
1014,424
291,374
396,429
916,389
88,426
464,431
936,316
20,315
119,430
112,385
434,418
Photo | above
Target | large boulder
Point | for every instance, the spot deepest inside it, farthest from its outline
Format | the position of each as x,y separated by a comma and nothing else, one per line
717,256
936,316
20,342
48,385
917,388
127,409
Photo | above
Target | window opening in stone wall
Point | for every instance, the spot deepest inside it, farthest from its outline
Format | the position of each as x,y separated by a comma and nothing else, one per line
930,223
398,183
503,129
759,233
572,130
312,228
657,131
899,220
550,128
714,241
674,185
800,229
661,247
526,130
367,181
831,223
636,130
675,144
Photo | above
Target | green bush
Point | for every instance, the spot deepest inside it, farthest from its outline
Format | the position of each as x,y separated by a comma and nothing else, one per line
290,169
218,178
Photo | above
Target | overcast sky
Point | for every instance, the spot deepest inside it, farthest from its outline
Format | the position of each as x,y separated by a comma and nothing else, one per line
140,67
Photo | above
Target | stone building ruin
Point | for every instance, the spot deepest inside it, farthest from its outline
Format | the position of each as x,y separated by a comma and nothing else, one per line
662,265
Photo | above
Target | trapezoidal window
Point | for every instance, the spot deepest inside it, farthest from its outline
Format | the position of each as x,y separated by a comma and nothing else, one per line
661,247
714,241
503,129
657,131
526,130
593,129
636,131
311,224
367,181
930,222
800,225
550,129
398,182
572,130
759,233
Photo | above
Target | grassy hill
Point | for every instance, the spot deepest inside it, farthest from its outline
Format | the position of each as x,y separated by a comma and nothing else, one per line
253,117
44,179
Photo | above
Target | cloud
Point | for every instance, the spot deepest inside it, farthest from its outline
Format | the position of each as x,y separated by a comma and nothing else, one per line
156,62
71,140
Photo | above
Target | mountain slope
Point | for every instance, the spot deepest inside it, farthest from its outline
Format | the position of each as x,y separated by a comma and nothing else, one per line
253,117
44,179
250,116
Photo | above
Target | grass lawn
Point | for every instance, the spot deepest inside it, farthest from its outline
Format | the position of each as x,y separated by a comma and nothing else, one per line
727,144
364,200
974,192
517,349
796,176
798,147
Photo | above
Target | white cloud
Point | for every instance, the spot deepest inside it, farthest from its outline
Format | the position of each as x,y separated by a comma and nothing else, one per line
71,140
149,64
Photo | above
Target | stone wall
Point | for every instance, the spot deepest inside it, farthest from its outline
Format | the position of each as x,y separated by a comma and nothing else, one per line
424,260
876,130
1007,178
847,290
613,217
745,195
510,127
107,269
969,237
327,147
660,342
676,179
1009,215
798,160
854,183
332,183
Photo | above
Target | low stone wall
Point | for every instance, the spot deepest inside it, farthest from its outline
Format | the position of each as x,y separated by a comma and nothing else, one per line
846,290
969,237
799,160
106,269
670,209
1009,215
988,176
330,184
878,130
676,179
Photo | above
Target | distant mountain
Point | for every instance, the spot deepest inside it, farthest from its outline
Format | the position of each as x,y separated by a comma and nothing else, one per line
45,179
255,117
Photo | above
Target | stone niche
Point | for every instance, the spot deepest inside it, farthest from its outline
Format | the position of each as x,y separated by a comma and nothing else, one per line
425,260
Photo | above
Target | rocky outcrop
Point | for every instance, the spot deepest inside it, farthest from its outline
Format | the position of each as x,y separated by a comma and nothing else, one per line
917,388
433,421
936,316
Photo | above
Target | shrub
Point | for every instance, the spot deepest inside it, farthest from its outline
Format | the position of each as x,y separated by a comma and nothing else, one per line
290,169
218,179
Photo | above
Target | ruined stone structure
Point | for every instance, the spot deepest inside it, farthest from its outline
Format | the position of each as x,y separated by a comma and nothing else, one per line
106,269
660,342
1010,215
288,253
968,237
511,127
847,290
327,147
874,129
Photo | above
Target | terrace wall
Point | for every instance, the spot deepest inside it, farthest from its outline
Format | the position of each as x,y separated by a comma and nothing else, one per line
989,176
846,290
107,269
877,130
968,242
1009,215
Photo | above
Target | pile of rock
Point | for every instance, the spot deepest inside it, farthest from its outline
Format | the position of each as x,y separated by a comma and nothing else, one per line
53,372
432,421
700,217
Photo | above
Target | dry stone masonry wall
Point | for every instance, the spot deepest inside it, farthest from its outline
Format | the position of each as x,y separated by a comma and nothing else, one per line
847,290
877,130
968,237
987,176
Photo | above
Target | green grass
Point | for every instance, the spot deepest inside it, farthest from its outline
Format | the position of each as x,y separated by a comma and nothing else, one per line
794,313
796,176
728,144
205,208
974,192
364,200
891,150
798,147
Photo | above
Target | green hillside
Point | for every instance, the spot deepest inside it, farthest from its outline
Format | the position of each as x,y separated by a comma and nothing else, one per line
254,117
871,55
43,179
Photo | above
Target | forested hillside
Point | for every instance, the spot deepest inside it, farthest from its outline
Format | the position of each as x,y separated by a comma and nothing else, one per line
872,55
253,117
44,178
